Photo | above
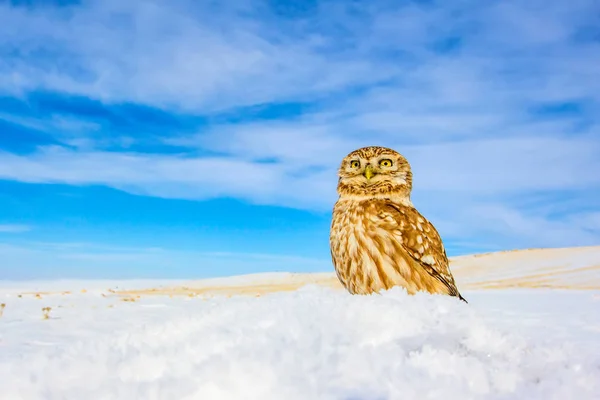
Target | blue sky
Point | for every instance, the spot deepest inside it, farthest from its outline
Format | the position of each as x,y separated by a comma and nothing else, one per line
195,139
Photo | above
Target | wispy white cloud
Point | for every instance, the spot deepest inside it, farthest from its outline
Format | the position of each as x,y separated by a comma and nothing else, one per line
174,54
180,55
486,166
461,88
465,187
14,228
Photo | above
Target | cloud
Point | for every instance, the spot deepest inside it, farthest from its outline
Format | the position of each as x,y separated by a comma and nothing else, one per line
167,55
472,190
494,104
299,164
170,54
14,228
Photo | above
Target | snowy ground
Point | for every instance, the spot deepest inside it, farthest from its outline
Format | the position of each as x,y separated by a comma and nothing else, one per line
317,342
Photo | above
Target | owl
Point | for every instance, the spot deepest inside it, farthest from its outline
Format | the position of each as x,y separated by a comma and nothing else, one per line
378,239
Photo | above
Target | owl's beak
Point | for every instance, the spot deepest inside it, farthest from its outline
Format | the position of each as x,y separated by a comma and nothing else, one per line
369,172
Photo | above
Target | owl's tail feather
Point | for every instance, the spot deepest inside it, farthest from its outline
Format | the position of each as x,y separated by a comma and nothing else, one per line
462,298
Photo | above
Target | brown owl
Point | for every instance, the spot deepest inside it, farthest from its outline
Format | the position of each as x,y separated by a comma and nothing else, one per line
378,239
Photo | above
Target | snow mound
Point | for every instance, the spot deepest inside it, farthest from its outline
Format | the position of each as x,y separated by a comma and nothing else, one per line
313,343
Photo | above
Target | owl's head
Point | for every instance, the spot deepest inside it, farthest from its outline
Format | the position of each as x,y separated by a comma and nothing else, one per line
375,171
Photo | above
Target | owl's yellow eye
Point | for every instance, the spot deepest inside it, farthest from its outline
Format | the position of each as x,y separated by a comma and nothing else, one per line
385,163
354,164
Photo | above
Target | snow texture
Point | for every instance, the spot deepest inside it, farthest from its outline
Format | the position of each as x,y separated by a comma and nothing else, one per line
314,343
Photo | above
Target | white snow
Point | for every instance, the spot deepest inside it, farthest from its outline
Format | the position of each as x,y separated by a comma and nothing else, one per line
313,343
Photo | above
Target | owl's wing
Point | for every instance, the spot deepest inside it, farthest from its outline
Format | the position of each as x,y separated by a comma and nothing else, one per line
419,238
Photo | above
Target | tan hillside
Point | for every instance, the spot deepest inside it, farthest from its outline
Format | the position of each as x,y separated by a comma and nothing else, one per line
575,268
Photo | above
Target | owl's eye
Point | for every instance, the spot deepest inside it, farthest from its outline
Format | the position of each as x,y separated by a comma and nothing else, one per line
385,163
354,164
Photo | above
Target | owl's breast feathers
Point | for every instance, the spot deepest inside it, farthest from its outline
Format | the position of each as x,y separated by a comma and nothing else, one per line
377,244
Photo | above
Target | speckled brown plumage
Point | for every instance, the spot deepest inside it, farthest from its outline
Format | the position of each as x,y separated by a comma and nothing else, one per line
378,238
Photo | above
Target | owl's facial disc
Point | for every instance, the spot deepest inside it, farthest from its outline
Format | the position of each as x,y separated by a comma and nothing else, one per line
375,172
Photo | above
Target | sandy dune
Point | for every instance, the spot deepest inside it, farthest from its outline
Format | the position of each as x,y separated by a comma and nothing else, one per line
563,268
